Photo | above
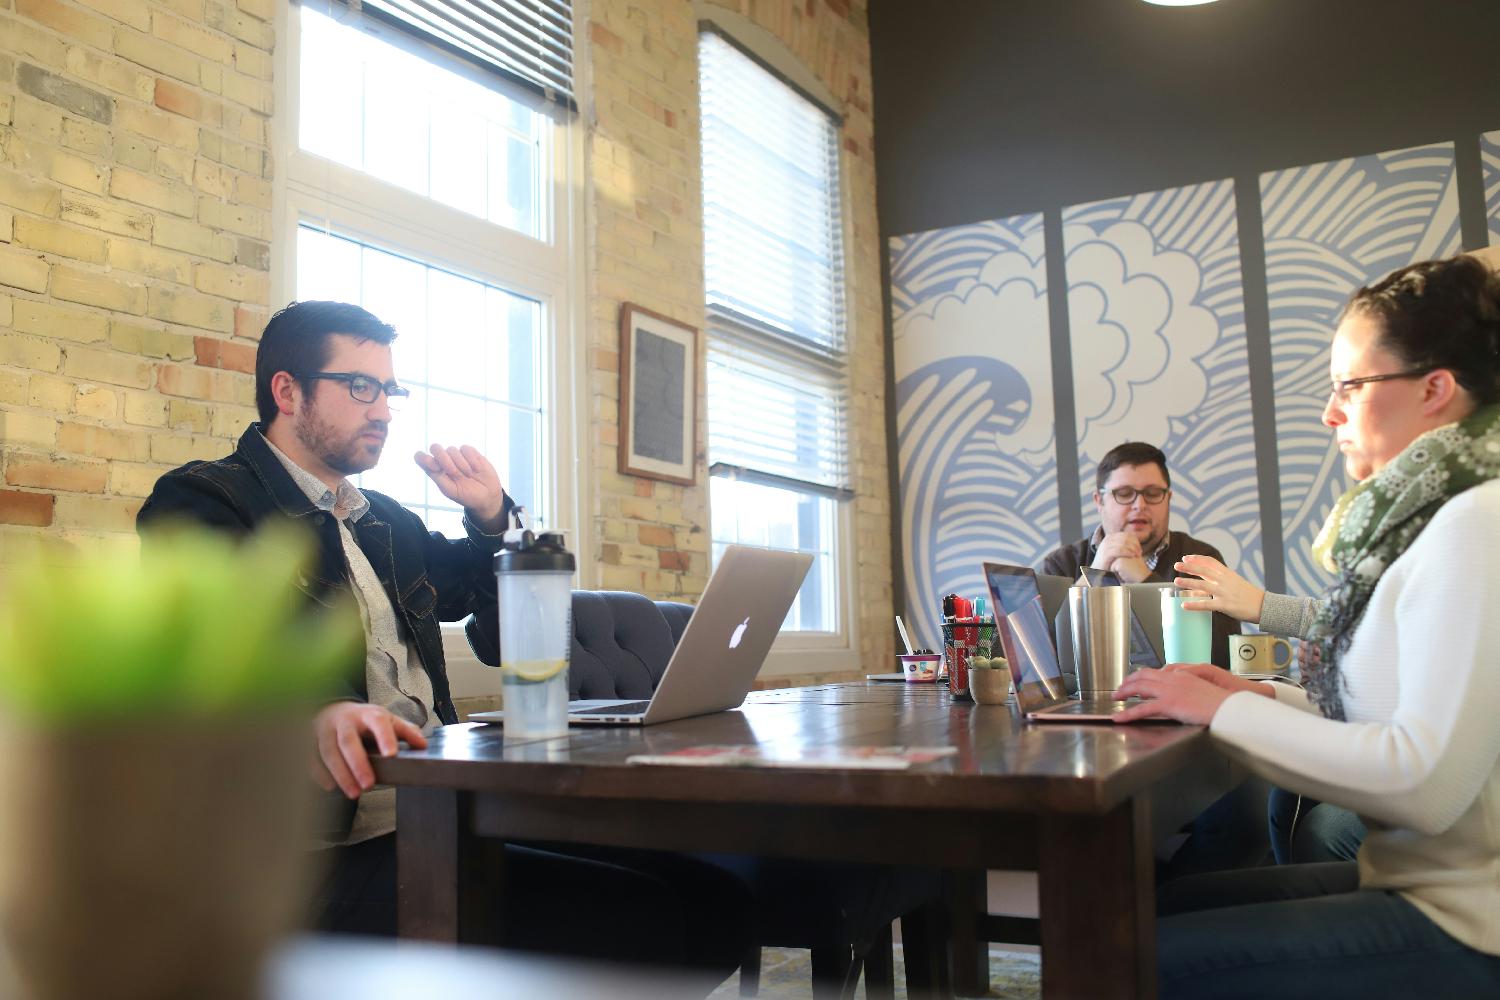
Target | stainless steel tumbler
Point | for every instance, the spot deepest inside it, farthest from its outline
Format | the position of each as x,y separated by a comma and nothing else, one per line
1101,638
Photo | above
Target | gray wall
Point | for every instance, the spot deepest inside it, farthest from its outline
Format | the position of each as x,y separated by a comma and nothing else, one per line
989,108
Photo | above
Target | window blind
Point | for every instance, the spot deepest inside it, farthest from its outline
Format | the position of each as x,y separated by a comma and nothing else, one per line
529,41
774,275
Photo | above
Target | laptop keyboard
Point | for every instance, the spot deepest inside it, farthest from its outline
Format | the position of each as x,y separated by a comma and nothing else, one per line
627,708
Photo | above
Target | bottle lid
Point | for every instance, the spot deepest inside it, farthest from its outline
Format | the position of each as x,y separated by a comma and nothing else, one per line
527,553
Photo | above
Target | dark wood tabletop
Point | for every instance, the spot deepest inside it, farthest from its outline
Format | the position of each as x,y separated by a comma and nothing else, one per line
1076,802
1002,762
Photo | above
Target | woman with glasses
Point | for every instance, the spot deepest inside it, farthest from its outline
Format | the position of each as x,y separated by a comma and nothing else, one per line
1398,719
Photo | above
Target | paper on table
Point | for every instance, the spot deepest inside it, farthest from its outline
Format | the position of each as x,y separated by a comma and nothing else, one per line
893,758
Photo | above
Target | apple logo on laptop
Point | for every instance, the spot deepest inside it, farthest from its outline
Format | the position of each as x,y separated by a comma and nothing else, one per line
739,633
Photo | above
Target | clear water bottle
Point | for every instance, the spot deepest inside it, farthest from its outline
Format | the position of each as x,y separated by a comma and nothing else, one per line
534,575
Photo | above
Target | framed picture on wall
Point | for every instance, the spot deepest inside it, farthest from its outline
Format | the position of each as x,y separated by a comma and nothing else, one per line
658,396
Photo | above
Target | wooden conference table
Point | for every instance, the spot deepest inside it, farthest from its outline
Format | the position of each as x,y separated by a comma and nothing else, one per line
1075,802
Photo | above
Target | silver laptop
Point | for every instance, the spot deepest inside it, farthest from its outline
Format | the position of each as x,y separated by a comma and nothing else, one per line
722,648
1041,692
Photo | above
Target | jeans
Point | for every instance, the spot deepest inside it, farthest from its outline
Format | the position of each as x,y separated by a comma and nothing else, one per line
1306,831
1307,931
1229,834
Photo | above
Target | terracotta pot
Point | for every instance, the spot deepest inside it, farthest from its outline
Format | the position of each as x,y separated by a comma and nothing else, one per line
145,861
990,686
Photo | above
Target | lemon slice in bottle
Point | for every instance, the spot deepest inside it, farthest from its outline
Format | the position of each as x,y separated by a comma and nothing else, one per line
534,671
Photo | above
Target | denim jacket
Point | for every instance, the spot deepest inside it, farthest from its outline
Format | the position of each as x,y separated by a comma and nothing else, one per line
429,578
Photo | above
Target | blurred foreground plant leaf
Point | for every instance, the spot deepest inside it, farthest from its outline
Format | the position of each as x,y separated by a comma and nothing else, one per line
197,623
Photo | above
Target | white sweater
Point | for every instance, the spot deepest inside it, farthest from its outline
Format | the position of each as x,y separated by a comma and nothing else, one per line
1418,757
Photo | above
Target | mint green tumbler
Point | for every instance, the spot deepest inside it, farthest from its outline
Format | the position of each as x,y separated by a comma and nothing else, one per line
1186,636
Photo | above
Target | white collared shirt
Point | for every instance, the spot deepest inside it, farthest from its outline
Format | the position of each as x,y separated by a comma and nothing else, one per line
394,676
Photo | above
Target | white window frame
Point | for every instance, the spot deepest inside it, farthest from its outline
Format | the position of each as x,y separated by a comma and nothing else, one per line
310,189
803,653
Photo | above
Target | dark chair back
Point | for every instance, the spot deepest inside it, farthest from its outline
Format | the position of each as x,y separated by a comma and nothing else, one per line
622,643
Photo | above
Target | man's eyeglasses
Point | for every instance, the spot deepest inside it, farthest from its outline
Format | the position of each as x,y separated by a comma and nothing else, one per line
363,388
1125,495
1341,386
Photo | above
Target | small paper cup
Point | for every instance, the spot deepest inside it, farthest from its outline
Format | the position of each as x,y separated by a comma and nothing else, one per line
920,668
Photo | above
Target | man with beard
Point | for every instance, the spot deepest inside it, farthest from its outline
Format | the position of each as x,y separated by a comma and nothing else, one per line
325,388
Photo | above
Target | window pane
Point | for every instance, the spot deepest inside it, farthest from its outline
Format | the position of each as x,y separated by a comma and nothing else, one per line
395,289
454,420
398,474
767,517
468,351
513,322
414,122
772,241
773,269
327,267
455,315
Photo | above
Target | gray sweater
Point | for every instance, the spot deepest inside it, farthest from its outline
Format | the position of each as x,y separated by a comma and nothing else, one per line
1282,614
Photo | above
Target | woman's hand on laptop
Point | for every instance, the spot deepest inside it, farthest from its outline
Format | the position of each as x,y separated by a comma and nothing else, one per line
1187,692
1219,677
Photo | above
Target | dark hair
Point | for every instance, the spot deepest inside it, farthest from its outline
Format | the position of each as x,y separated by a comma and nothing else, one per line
1131,453
1441,314
296,340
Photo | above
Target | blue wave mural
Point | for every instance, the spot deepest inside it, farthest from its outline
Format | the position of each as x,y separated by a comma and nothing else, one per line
1489,159
1157,323
974,419
1330,228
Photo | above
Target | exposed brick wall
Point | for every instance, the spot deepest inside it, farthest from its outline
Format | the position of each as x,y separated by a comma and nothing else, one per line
644,212
135,197
135,202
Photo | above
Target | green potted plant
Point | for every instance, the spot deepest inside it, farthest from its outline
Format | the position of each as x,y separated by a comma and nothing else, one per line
154,739
989,680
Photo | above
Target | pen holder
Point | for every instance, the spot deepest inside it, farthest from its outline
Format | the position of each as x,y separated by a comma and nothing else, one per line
963,640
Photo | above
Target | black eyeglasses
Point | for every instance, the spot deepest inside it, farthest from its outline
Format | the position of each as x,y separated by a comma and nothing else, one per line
1125,495
1341,386
363,388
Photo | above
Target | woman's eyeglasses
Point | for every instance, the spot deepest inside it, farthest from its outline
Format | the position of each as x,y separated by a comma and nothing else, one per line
1125,495
363,388
1342,386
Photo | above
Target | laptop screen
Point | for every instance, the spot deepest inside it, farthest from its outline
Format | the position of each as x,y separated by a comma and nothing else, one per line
1025,634
1011,588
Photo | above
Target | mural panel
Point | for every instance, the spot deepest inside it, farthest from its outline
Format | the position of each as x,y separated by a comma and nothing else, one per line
1157,320
1489,157
1330,228
974,416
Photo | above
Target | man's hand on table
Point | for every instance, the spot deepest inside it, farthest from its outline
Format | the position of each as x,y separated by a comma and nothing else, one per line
341,729
1187,692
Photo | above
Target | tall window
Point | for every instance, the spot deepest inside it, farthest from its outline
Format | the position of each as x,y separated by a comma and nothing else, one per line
425,182
774,269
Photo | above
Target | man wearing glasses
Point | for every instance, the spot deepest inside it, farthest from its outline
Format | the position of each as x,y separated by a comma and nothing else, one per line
1134,541
1134,497
325,388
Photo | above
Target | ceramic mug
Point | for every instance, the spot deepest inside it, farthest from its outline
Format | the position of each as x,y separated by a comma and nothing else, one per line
1258,654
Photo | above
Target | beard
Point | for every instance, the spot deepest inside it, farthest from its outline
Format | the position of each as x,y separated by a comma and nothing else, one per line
345,453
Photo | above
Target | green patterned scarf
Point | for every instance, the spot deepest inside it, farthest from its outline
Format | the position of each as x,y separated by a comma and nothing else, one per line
1373,523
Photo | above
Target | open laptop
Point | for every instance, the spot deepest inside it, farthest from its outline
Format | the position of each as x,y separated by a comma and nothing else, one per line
722,648
1027,638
